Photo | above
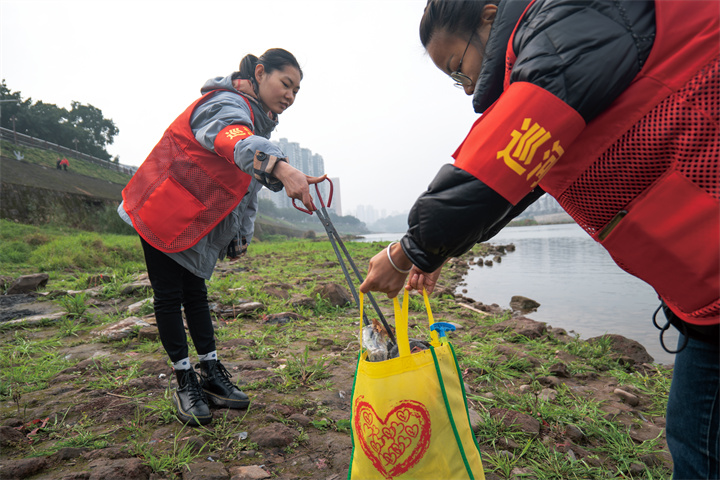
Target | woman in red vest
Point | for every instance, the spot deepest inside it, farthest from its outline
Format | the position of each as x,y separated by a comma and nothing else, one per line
612,108
192,195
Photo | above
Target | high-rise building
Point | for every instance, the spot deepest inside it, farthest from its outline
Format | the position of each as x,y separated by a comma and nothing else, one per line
307,162
337,198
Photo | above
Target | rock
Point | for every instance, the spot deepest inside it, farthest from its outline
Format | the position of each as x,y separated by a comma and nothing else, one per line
517,421
521,326
575,434
251,472
79,476
636,469
273,291
122,329
560,370
206,471
23,468
67,453
28,283
335,294
195,443
523,304
274,435
149,332
645,432
300,300
476,421
10,436
247,308
136,287
121,469
13,422
627,397
135,307
300,419
509,351
651,460
34,319
281,318
626,347
252,365
549,381
547,394
283,410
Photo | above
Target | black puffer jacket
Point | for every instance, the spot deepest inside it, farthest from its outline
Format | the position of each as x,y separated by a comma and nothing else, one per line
584,52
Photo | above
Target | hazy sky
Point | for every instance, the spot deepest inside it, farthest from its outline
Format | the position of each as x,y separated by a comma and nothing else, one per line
371,101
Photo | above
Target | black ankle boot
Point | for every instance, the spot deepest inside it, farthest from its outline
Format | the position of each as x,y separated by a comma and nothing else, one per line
189,399
220,391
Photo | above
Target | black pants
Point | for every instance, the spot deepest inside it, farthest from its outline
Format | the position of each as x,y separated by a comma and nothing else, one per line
174,286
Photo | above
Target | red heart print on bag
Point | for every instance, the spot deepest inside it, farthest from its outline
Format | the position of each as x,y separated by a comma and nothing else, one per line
395,443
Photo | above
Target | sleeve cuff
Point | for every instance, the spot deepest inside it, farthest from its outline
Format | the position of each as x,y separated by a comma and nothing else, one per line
426,262
263,165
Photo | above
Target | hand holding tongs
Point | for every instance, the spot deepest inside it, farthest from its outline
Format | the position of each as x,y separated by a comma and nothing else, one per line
335,239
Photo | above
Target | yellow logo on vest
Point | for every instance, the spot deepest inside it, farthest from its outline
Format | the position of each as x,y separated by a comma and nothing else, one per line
521,152
241,131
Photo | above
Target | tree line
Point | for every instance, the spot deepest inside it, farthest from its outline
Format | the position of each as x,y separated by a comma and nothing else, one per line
82,128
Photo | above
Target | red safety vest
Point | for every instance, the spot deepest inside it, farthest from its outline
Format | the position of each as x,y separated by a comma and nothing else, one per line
182,190
643,177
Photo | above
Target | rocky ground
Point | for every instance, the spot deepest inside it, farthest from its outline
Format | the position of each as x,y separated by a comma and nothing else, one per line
106,414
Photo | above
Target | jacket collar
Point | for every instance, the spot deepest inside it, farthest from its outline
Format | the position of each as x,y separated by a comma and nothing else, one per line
489,85
265,122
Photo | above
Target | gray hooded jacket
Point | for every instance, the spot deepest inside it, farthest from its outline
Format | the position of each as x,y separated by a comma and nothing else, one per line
208,119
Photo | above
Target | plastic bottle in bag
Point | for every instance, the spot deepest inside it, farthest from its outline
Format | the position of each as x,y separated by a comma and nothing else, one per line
374,344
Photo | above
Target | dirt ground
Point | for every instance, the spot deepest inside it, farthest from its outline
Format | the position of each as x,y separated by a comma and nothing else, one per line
94,420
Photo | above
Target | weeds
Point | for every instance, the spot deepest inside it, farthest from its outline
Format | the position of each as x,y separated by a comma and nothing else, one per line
166,461
300,370
31,357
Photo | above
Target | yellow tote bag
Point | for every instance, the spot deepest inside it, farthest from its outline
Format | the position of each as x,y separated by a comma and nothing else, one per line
409,414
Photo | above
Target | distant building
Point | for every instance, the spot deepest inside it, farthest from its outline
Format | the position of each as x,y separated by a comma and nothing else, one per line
369,215
307,162
337,197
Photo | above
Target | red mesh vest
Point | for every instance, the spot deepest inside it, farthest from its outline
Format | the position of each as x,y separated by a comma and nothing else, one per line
643,177
182,191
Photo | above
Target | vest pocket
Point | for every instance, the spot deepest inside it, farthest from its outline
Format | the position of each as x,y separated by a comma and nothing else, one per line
169,210
669,238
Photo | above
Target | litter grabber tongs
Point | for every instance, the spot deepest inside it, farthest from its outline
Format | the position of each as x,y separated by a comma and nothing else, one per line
335,240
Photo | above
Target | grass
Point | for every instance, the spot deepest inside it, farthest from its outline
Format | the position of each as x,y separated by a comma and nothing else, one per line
47,158
305,359
66,254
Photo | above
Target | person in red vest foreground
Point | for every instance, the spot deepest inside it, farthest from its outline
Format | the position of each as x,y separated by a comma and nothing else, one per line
611,108
188,199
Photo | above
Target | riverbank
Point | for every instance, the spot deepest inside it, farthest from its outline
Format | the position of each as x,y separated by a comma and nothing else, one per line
85,385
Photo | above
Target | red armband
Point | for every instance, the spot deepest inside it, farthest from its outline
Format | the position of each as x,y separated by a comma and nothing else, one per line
516,142
227,139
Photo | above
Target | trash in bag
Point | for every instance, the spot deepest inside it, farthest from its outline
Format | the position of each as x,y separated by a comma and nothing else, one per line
374,344
415,346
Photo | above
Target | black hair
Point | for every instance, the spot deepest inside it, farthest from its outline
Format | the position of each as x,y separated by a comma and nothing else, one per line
458,16
273,59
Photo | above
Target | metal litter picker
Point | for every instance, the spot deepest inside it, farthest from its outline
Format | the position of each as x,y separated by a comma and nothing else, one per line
335,240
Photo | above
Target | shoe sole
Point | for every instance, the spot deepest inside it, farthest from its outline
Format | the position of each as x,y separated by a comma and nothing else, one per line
218,401
192,420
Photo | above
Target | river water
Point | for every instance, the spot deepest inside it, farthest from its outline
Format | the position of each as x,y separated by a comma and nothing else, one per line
577,284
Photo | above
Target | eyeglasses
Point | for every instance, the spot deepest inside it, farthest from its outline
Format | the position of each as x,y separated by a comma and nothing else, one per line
462,80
